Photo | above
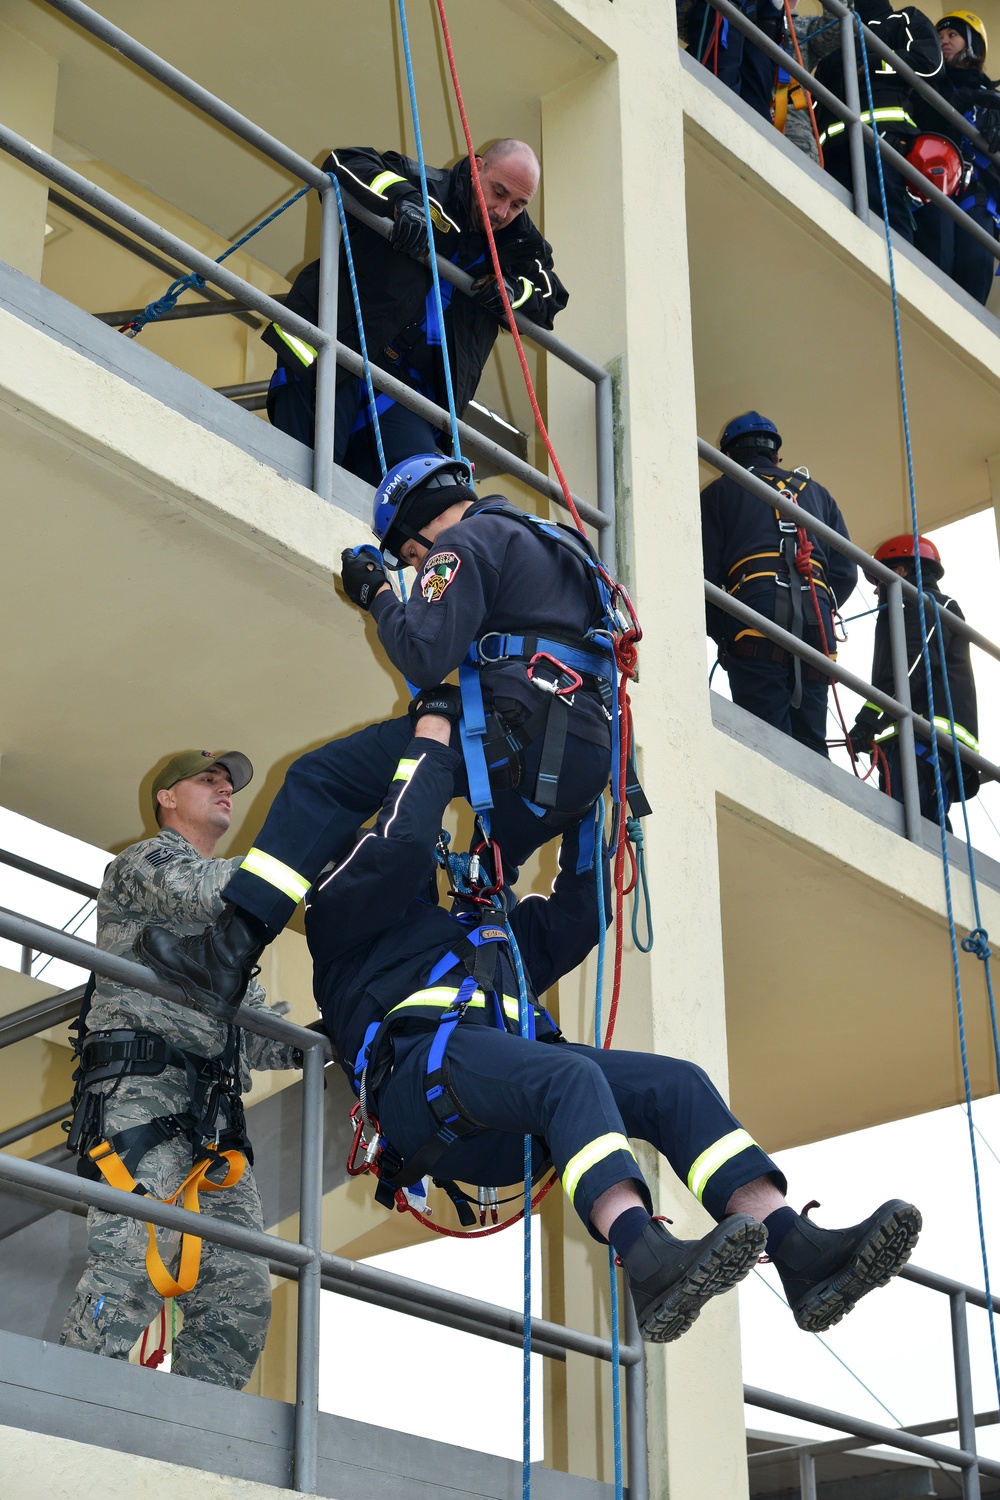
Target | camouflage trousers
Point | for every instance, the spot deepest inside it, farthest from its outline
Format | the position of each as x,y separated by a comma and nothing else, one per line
227,1312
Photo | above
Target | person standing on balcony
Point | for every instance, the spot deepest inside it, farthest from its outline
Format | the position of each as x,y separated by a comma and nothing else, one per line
964,84
397,304
159,1091
912,36
424,1008
764,561
731,56
874,728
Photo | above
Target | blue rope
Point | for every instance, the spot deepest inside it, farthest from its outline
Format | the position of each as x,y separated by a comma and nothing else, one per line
456,446
616,1397
641,892
934,757
345,237
177,288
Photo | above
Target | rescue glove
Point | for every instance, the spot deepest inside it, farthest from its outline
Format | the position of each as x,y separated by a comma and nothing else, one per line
446,700
988,125
362,574
862,736
409,228
486,292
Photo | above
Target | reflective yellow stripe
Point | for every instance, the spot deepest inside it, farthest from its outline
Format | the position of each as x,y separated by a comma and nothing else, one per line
405,770
303,351
709,1162
442,996
890,114
961,733
589,1156
875,706
526,292
282,877
384,180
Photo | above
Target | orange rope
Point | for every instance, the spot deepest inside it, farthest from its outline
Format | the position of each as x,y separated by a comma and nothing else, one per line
809,97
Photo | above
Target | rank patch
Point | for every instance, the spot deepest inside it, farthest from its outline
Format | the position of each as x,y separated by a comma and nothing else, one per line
438,573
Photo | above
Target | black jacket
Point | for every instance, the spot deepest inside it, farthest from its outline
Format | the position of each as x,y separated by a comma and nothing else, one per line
741,543
909,33
491,573
975,96
375,934
393,288
958,659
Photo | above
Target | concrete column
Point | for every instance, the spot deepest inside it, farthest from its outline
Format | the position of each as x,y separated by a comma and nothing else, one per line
613,144
28,80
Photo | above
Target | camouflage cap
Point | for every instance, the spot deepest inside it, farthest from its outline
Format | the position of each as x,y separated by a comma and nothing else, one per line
190,762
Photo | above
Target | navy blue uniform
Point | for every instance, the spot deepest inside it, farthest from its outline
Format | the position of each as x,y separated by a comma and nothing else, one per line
747,554
731,56
380,947
485,577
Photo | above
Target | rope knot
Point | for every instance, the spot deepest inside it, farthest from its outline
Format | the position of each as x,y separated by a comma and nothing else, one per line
977,943
633,829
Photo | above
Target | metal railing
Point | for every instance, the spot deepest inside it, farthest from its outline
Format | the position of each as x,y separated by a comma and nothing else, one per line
53,877
304,1259
323,335
850,110
897,706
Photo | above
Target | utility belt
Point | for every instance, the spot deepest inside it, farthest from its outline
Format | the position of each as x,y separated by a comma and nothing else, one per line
750,645
770,564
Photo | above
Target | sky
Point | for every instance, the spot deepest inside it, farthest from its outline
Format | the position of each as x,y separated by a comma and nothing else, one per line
890,1361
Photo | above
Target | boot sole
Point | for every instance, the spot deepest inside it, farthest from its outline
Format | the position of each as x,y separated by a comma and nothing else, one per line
886,1251
723,1264
202,1000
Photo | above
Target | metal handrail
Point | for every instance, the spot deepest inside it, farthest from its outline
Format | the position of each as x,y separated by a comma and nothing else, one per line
304,1259
330,352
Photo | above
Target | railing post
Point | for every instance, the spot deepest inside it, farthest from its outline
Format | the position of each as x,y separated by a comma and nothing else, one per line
855,136
310,1235
27,958
901,691
636,1440
604,440
963,1391
326,364
807,1476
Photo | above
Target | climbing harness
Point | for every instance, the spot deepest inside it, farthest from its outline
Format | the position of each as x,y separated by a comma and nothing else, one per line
979,937
110,1057
796,93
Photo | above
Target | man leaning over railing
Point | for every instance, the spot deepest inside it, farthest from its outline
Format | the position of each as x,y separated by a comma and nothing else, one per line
394,289
159,1106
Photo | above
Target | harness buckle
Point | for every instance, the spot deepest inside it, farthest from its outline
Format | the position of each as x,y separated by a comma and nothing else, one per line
566,676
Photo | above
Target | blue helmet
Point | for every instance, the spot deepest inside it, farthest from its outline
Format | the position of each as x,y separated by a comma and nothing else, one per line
751,424
414,492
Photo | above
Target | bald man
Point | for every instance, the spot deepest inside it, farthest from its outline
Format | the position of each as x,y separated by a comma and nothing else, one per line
394,286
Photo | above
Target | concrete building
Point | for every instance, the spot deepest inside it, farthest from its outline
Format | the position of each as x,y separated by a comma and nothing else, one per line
159,539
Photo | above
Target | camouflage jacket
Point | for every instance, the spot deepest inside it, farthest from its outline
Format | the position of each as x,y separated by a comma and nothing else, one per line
164,880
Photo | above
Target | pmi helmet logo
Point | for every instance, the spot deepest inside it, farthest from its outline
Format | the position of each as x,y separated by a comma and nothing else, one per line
401,482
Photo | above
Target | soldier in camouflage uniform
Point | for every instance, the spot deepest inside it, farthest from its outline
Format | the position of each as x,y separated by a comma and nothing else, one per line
173,879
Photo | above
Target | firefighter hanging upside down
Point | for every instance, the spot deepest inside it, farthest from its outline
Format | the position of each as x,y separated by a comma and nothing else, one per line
422,1007
520,607
763,561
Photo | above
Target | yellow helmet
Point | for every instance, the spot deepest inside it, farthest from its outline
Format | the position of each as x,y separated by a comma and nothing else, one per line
971,25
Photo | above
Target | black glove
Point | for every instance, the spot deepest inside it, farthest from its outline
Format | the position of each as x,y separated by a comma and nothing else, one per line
446,700
409,228
862,738
486,292
988,125
361,575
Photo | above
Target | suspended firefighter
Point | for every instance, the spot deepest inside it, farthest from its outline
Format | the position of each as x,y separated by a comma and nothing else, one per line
422,1005
158,1102
521,607
951,663
776,567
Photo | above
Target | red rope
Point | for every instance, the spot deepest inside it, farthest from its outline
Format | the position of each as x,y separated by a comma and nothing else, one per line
472,1234
159,1353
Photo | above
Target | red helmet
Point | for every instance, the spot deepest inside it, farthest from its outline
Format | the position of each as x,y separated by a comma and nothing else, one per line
940,161
899,549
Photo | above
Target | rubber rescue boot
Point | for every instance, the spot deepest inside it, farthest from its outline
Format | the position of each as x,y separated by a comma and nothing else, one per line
672,1279
213,967
825,1272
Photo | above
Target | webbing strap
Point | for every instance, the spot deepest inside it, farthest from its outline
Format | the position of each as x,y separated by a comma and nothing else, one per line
117,1175
519,647
472,731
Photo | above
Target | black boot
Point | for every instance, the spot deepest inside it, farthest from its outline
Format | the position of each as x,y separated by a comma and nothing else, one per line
213,967
826,1271
671,1279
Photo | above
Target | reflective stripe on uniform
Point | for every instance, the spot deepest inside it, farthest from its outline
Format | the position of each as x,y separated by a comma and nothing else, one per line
443,996
405,770
708,1163
889,114
589,1156
527,290
384,180
302,351
961,733
282,877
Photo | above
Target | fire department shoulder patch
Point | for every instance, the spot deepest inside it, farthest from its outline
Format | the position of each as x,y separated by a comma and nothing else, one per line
439,570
